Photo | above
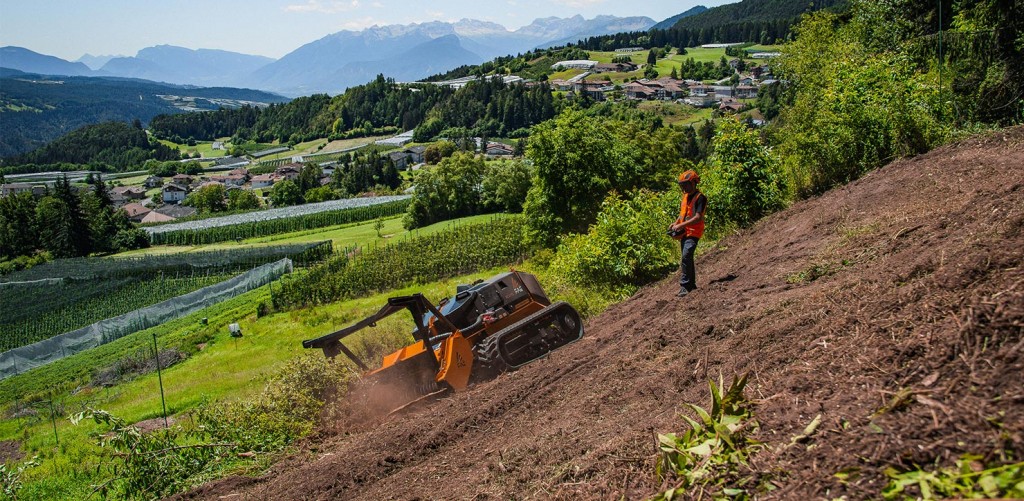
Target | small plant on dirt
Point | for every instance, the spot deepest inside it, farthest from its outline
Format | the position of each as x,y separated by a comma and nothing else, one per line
969,479
707,459
10,478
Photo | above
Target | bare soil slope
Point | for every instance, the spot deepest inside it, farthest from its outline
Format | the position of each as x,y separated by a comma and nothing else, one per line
906,283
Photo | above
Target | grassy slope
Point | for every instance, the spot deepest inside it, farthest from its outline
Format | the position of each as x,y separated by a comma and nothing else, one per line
664,66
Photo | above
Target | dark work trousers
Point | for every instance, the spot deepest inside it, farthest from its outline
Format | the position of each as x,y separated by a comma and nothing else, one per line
687,274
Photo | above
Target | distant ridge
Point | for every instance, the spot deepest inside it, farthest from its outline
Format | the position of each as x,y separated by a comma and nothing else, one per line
754,11
670,22
41,108
22,59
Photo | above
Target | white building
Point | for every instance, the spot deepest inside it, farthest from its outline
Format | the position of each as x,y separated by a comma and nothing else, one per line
579,64
174,193
399,140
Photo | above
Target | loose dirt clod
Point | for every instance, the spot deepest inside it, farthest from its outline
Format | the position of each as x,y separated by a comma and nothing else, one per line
10,450
904,333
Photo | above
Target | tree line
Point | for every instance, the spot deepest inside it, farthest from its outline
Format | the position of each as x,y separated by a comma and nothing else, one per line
109,146
66,222
380,106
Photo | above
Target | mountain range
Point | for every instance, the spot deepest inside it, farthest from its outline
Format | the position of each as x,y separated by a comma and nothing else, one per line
336,61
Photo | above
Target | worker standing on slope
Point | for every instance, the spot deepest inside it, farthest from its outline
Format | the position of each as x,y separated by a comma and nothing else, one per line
688,228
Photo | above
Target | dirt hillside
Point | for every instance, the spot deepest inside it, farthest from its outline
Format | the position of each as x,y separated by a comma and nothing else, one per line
893,307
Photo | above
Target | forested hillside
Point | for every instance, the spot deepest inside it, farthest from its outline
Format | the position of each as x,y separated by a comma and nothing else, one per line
36,109
760,21
107,146
490,108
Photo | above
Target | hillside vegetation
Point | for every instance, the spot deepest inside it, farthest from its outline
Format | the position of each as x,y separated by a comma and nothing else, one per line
37,109
872,353
109,146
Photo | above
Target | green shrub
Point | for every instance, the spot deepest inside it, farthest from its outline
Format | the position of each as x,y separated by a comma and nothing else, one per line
627,246
713,456
505,184
286,409
153,465
741,179
854,108
448,191
131,239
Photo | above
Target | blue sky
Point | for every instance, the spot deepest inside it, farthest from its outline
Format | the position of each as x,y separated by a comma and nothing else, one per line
71,28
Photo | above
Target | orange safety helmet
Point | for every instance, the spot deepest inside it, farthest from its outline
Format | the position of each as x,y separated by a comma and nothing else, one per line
689,175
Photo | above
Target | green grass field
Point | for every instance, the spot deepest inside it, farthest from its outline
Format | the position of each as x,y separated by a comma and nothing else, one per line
665,65
204,148
565,74
673,113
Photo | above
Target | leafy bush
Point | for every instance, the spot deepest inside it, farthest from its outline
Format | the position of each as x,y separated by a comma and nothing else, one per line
285,193
969,480
24,262
580,158
505,184
148,465
854,108
10,478
152,465
286,409
447,191
321,194
741,179
627,246
243,200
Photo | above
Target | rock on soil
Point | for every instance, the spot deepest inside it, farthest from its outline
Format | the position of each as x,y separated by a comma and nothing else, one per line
906,283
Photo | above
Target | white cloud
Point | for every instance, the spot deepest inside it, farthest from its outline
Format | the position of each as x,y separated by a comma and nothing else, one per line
324,7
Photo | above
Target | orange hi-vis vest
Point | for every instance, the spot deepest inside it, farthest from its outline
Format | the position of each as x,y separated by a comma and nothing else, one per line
686,211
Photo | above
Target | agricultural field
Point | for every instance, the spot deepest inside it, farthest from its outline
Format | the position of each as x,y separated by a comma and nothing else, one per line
455,250
361,234
664,66
204,148
565,74
35,312
223,368
64,295
673,113
273,221
356,142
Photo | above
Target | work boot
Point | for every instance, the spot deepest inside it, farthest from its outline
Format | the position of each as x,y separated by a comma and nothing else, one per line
682,292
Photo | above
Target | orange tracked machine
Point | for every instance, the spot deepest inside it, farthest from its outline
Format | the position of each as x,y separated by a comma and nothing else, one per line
487,328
